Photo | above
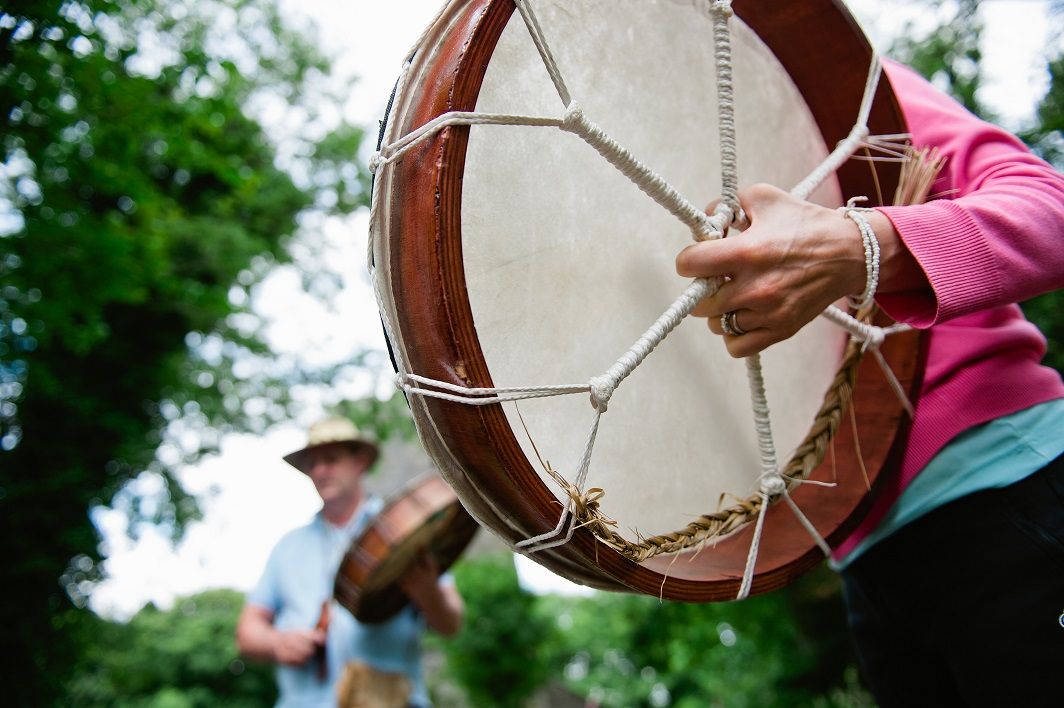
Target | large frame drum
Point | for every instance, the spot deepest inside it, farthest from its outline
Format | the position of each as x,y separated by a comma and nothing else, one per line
516,255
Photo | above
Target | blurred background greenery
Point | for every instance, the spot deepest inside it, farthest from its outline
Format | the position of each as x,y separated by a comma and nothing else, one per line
140,202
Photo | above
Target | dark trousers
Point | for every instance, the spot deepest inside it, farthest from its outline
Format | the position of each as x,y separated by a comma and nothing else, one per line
965,606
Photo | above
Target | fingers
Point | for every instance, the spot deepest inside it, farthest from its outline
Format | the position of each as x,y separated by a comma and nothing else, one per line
420,577
296,647
748,337
428,562
712,259
742,322
748,344
794,260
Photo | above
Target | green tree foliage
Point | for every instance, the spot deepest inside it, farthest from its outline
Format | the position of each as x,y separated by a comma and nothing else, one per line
500,656
950,54
383,419
1046,137
184,657
786,648
781,649
139,199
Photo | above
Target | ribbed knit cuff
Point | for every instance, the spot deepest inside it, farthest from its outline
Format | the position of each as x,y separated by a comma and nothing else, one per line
955,257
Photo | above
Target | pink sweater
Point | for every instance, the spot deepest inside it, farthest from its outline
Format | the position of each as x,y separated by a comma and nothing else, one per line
993,237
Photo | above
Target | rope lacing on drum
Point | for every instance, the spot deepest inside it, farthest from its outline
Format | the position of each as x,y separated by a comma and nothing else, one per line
584,504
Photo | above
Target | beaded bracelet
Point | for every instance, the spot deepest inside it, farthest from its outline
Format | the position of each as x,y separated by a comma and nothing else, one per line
871,250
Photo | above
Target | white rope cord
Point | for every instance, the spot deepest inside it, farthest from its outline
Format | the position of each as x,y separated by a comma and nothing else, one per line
759,402
773,485
872,338
393,151
652,184
755,546
543,542
534,29
721,15
702,227
722,55
646,179
481,396
602,387
574,121
890,148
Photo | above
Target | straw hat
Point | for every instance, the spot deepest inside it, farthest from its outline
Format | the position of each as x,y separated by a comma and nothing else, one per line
328,432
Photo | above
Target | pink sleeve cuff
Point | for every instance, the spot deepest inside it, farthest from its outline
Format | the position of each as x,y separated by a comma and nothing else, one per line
958,262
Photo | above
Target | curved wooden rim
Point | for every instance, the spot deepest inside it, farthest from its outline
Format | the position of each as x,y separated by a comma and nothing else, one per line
435,318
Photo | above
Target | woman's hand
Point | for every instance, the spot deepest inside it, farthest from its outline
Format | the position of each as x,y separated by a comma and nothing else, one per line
794,260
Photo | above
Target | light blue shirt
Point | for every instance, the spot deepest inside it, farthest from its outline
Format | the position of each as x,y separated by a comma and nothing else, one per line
298,579
989,456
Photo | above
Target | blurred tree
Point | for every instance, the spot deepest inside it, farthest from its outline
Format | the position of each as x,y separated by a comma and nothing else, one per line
139,201
786,648
1046,137
383,419
781,649
184,657
500,656
950,54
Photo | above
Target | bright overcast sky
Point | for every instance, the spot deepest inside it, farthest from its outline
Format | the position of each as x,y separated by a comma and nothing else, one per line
257,497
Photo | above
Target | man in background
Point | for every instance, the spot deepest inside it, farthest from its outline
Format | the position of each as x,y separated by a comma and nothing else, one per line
289,618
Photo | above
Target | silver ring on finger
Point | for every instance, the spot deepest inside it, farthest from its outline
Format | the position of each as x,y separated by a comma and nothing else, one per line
730,326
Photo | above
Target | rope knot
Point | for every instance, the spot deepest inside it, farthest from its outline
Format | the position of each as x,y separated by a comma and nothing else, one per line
723,7
602,388
400,381
857,136
586,507
772,485
375,161
573,120
716,225
709,228
585,503
723,215
873,339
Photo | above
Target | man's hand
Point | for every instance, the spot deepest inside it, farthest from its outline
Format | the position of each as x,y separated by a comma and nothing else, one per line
256,638
419,580
296,647
441,605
